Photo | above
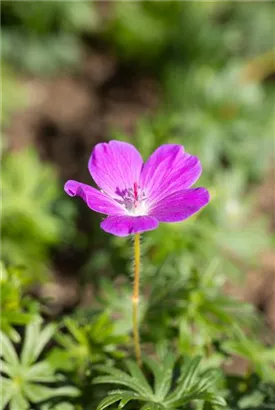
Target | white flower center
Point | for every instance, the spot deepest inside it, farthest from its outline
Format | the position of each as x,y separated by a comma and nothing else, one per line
134,201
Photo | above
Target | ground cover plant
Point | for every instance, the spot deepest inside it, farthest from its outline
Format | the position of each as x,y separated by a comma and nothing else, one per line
137,305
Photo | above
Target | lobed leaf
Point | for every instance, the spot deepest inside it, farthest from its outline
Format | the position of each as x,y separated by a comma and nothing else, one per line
138,375
124,381
152,406
18,402
40,372
30,342
5,368
108,401
44,337
186,380
37,393
6,392
8,351
163,380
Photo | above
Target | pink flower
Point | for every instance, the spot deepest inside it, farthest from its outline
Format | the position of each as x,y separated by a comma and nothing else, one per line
137,196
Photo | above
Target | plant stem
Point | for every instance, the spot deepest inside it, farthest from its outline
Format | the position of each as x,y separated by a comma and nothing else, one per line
135,298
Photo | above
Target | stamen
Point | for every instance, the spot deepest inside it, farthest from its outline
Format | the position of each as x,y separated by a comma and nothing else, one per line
135,191
133,200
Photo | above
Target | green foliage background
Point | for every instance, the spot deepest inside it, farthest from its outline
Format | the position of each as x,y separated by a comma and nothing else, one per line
214,63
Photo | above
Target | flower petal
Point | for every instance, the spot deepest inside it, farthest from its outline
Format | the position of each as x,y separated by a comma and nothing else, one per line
115,166
95,199
180,205
128,225
169,169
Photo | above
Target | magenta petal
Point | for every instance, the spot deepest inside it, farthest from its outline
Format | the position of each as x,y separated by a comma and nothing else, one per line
95,199
115,166
180,205
169,169
128,225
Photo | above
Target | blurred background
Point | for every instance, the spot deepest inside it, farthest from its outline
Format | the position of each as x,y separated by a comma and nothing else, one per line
75,73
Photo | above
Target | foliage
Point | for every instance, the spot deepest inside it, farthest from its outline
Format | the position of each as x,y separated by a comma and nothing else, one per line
137,29
182,304
33,216
190,385
83,343
43,37
148,32
190,308
213,63
224,232
27,379
46,35
249,393
16,308
117,301
201,315
213,112
59,406
261,358
219,112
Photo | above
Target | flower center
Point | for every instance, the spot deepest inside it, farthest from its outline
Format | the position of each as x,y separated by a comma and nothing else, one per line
133,199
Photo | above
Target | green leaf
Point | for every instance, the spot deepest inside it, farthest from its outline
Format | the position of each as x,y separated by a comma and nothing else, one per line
30,342
6,392
214,399
5,368
208,378
162,372
25,383
152,406
163,379
40,372
186,380
190,372
18,318
35,341
37,393
123,381
163,385
108,401
138,376
75,330
18,402
191,384
126,397
112,371
44,337
8,351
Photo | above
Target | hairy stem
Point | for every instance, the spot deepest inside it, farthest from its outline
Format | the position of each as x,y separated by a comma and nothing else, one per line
135,298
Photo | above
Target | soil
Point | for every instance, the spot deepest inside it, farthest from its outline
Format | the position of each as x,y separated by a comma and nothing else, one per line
67,115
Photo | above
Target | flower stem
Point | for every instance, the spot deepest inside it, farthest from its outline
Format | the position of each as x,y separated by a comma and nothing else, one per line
135,298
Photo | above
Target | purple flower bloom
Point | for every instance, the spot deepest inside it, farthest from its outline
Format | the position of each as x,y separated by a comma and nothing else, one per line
136,196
